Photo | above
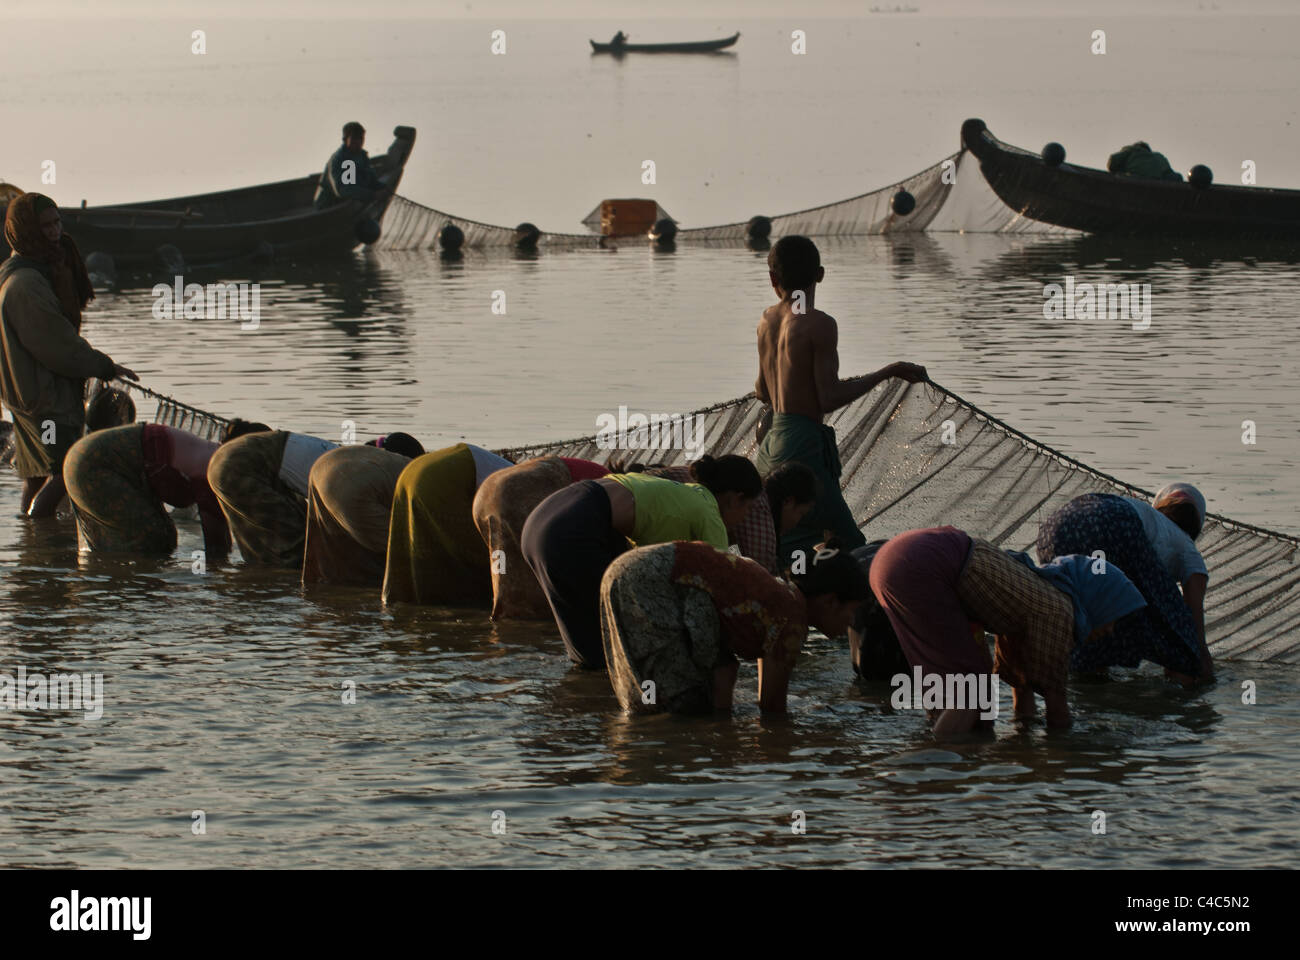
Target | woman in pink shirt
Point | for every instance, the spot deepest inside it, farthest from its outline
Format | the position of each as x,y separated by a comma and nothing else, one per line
119,480
501,506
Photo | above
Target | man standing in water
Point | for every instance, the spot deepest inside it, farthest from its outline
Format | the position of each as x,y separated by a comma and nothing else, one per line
348,174
799,375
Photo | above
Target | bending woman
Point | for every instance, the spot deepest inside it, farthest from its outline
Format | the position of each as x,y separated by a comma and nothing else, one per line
1154,546
676,617
789,492
936,584
260,480
435,554
576,533
349,502
118,480
501,508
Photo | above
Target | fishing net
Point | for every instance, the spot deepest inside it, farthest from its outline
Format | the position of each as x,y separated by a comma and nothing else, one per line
951,196
920,456
167,410
413,226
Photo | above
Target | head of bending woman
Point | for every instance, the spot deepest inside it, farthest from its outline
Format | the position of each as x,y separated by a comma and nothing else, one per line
833,586
734,482
791,490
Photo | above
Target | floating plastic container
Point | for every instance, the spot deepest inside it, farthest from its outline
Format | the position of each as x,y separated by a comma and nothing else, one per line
626,218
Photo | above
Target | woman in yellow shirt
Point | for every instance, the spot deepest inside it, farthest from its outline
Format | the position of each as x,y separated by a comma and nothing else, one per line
577,532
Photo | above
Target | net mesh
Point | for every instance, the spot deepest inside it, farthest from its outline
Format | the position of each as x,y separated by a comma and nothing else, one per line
413,226
951,196
996,483
167,410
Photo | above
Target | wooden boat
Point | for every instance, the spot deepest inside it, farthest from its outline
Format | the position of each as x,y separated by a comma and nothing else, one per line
1097,201
701,46
270,220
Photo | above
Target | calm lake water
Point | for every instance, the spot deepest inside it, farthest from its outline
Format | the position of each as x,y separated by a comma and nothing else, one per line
223,691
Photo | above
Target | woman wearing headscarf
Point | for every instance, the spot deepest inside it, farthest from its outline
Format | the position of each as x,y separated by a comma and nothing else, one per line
349,501
44,362
935,584
501,507
435,553
1154,545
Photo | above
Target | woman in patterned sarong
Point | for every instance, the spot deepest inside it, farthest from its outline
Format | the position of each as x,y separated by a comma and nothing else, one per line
260,481
119,480
1154,545
676,617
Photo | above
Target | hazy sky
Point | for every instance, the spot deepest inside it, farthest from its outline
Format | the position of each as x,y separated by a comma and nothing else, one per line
624,9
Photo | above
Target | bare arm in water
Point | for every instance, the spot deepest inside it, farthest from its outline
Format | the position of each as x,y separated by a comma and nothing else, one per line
1194,597
773,682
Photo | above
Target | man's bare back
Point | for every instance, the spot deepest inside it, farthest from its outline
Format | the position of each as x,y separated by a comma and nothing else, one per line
799,363
788,347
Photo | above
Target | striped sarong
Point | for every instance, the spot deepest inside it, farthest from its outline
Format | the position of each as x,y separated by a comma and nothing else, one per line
1033,620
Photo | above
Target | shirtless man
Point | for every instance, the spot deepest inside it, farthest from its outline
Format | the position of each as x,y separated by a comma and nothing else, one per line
799,375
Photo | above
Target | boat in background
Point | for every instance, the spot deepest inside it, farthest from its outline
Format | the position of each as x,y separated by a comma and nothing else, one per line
700,46
266,221
1045,188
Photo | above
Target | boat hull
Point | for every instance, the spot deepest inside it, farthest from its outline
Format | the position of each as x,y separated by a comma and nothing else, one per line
1100,202
701,46
275,219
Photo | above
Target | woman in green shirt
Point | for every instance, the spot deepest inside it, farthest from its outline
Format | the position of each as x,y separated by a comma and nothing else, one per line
575,534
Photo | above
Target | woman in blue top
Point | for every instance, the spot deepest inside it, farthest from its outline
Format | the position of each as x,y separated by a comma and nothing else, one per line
1154,545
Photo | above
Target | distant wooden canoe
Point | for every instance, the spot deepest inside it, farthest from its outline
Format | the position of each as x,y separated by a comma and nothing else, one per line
209,228
700,46
1100,202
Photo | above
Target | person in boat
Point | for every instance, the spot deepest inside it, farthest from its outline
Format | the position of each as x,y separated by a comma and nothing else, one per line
261,482
349,501
942,588
501,508
1139,160
435,553
618,40
44,360
798,374
120,478
1155,545
573,536
676,618
348,175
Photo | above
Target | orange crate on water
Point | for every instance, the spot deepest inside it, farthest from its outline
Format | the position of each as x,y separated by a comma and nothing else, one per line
625,218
